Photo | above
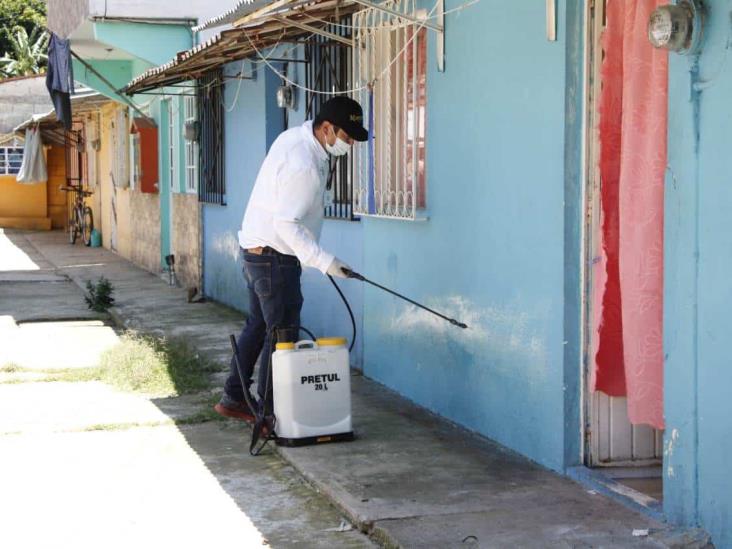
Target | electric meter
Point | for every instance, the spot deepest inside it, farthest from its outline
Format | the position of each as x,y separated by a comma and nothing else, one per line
677,27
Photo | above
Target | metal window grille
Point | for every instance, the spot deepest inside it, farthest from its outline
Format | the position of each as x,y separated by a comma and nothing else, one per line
391,180
191,152
211,187
10,160
120,150
76,164
329,69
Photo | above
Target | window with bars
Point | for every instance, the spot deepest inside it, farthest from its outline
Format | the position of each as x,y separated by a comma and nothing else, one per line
76,157
119,151
10,160
329,69
191,151
210,106
390,56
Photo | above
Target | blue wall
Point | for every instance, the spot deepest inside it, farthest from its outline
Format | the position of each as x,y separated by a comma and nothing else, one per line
493,251
500,245
245,147
698,293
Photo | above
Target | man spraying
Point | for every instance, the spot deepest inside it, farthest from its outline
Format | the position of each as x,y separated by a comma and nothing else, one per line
280,232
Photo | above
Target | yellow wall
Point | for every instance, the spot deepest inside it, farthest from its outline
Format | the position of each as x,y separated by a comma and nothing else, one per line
19,200
109,192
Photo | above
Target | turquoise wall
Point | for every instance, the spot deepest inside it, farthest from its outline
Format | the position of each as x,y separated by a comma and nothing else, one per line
155,44
492,253
698,293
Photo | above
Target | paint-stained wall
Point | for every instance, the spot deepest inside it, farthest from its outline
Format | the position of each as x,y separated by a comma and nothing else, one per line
698,294
492,251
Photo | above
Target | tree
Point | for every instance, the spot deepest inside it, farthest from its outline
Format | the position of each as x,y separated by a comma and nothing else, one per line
29,14
28,53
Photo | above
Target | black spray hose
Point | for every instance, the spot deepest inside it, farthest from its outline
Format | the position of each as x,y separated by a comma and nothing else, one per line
350,312
353,274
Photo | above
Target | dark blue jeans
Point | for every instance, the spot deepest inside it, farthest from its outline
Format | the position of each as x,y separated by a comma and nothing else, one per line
275,301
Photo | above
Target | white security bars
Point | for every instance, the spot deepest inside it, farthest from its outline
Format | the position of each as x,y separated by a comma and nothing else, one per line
172,139
390,54
191,146
10,160
119,150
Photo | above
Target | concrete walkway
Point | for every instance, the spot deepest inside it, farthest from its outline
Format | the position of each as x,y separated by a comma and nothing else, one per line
410,479
84,465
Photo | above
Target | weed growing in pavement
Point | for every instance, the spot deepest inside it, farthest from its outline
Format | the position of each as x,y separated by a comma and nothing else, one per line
99,296
156,366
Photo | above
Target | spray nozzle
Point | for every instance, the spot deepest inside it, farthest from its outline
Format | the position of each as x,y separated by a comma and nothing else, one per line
353,274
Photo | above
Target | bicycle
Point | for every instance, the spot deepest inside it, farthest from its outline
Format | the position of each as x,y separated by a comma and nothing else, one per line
81,221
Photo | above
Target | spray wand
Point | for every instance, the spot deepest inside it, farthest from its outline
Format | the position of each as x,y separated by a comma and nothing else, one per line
355,275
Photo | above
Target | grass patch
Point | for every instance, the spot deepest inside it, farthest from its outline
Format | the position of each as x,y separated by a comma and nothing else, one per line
156,366
139,363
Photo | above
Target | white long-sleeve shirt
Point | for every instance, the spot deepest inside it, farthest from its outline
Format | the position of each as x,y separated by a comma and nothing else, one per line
285,209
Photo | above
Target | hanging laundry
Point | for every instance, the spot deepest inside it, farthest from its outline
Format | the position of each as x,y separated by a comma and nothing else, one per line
60,78
33,169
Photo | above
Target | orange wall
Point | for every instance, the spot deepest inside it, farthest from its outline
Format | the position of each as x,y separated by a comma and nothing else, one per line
19,200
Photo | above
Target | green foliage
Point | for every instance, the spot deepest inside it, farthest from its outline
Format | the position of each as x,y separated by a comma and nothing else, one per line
27,55
28,14
99,296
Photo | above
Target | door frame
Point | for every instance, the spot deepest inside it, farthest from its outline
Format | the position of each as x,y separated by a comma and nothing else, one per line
166,183
591,403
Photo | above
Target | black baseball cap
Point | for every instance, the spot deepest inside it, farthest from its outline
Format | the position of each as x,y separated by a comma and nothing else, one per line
347,114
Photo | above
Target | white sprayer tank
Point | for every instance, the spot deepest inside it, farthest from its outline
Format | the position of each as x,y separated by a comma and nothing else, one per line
311,384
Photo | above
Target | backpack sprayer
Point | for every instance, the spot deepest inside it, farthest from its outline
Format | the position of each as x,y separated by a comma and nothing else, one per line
311,384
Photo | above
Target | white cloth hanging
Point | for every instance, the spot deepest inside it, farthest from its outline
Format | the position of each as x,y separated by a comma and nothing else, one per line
33,169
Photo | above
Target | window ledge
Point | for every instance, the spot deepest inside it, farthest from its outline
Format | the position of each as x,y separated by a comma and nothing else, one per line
418,218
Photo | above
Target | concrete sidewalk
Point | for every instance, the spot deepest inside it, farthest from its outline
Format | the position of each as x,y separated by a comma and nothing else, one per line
410,479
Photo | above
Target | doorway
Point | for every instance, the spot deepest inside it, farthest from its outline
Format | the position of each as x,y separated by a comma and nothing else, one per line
629,455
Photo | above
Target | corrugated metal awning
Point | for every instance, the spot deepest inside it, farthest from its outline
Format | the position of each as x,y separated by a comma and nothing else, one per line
242,8
277,22
53,130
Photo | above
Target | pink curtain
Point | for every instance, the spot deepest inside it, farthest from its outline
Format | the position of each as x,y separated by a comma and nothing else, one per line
629,275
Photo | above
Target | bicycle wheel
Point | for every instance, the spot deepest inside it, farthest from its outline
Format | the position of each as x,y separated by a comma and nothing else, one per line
88,226
74,224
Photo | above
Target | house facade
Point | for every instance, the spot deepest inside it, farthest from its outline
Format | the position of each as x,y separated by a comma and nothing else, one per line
112,43
481,196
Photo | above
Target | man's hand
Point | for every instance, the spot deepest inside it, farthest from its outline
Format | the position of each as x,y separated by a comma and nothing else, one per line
337,268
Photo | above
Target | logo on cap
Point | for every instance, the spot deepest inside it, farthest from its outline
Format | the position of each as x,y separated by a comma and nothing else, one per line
356,118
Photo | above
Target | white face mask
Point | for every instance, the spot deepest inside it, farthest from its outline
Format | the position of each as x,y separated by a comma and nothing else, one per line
339,148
